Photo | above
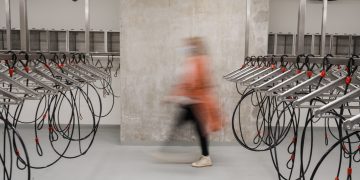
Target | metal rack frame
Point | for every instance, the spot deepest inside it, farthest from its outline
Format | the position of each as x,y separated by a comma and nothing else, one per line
25,33
331,44
107,44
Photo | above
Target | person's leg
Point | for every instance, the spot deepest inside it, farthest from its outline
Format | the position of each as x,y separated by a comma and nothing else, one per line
200,131
181,119
166,153
203,138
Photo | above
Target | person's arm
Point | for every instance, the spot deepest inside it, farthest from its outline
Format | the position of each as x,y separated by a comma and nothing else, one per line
182,92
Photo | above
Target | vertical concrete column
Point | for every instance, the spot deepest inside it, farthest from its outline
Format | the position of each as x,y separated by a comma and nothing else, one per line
301,28
152,34
24,31
8,24
259,27
87,26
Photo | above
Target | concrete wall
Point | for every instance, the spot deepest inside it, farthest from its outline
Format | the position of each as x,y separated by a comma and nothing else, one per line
151,37
66,14
341,16
259,26
152,31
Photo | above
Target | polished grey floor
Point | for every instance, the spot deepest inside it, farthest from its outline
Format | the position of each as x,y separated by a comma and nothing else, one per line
109,160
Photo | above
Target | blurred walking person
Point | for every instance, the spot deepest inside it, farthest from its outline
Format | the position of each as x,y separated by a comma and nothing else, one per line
195,97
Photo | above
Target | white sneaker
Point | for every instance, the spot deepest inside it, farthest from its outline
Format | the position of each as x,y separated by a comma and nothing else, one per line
203,162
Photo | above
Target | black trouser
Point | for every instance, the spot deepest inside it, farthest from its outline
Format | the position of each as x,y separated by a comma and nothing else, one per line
188,114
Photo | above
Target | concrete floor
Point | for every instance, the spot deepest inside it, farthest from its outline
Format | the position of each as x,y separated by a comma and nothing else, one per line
108,160
113,162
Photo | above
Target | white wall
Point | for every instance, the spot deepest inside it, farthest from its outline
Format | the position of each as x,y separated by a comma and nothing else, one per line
66,14
342,16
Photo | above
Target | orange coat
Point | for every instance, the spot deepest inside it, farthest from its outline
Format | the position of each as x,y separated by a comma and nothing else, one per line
196,85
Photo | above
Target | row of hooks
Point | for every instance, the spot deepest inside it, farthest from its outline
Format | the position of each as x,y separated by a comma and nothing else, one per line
290,95
53,93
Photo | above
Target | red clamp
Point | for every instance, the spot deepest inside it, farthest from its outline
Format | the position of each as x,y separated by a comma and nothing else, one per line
27,69
323,73
45,116
11,72
47,66
60,66
51,129
292,156
349,171
344,147
347,69
283,69
17,152
294,140
336,178
298,71
37,140
309,74
242,66
348,80
273,66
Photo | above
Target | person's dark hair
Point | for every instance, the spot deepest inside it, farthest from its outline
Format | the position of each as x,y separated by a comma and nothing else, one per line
198,46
